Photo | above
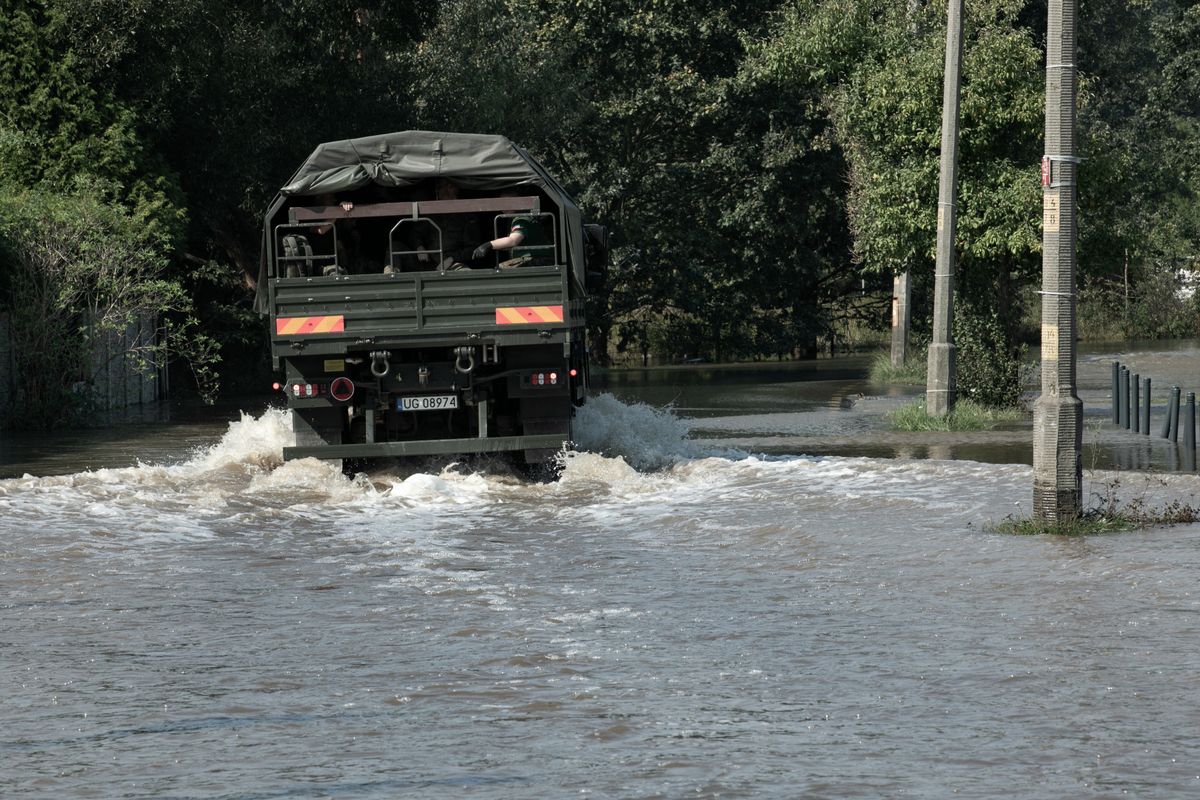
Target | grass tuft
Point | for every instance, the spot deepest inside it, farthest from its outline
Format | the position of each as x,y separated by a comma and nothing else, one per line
912,371
1086,524
966,416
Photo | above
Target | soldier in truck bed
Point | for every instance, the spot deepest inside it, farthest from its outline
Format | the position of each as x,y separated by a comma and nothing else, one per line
460,232
525,236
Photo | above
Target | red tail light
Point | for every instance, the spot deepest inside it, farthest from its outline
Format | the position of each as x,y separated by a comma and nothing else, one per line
543,379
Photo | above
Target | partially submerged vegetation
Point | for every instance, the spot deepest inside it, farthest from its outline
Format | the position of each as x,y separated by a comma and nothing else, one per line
966,416
1108,515
911,372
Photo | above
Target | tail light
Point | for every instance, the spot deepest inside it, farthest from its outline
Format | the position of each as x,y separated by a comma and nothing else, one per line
544,378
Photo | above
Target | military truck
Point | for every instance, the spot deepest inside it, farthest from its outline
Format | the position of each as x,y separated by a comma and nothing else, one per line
395,333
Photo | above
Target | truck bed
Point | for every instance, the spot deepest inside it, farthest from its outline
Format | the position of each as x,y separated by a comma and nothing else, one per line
332,312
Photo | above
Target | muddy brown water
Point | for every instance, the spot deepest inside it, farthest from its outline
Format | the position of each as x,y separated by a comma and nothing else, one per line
722,615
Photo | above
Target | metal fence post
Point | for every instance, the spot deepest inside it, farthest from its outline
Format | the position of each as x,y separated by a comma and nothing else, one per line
1116,387
1125,397
1146,409
1135,403
1189,431
1166,426
1175,414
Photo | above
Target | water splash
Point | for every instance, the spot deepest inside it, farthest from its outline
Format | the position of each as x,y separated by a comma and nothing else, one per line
644,437
250,441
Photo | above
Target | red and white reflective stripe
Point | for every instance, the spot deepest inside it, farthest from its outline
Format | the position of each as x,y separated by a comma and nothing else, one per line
298,326
525,315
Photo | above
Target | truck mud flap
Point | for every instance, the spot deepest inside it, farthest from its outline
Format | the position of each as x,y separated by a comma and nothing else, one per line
428,447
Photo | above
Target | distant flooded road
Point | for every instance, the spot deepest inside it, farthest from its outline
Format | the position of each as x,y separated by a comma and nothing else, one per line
673,617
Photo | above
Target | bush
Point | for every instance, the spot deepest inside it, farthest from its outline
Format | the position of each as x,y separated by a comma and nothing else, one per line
988,365
81,272
1154,309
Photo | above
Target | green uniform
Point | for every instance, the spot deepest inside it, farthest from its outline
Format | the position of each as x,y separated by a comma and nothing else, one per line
534,242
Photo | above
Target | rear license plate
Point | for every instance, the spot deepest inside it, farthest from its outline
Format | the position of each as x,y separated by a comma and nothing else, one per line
430,402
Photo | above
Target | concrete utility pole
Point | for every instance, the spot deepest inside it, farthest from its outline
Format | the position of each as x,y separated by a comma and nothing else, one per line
940,382
901,303
1058,414
901,285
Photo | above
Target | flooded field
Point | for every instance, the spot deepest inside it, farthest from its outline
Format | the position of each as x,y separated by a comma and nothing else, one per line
725,613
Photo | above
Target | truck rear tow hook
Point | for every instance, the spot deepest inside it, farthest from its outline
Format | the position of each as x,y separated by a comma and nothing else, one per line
379,363
465,359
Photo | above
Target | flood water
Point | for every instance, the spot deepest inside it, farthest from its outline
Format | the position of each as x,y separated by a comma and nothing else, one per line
676,616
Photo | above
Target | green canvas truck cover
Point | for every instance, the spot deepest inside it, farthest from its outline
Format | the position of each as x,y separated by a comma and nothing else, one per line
474,161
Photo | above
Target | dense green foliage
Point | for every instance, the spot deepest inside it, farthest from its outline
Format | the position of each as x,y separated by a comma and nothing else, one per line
989,365
764,167
82,274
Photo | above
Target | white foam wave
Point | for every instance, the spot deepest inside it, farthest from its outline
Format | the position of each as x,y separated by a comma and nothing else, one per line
635,467
250,441
448,487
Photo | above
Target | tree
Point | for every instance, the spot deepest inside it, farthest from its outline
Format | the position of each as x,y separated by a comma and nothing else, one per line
887,117
62,129
724,208
1139,219
82,272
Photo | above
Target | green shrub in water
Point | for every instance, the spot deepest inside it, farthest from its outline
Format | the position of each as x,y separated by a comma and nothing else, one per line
988,365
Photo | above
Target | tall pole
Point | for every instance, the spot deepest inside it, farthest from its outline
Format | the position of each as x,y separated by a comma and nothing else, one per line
1058,414
901,282
940,383
901,303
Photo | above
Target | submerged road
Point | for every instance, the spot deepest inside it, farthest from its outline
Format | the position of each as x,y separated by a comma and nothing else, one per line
670,618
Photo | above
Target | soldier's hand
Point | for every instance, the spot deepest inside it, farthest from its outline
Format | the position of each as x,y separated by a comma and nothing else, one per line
481,251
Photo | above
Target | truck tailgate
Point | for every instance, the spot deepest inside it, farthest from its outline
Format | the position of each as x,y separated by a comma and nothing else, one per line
356,306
